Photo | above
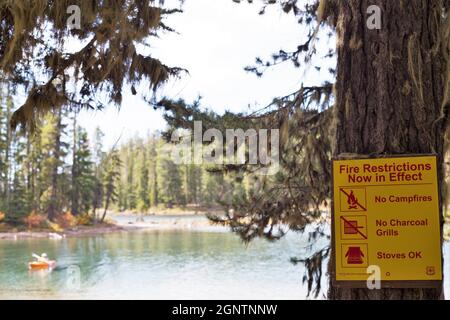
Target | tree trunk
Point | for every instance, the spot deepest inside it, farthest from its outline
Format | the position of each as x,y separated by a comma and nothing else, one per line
105,211
391,93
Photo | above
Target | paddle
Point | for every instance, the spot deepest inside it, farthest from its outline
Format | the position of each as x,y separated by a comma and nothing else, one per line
36,256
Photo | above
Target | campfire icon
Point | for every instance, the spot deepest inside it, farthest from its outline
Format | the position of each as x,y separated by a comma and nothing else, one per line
353,199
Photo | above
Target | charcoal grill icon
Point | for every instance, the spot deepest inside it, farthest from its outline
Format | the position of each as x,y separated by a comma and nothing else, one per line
354,227
351,227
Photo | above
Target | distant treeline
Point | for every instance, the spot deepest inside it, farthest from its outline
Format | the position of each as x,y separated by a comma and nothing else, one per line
56,169
150,178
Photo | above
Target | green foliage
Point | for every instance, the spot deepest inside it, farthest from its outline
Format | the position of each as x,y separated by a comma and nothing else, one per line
149,178
84,179
143,189
51,176
37,175
97,179
19,203
112,165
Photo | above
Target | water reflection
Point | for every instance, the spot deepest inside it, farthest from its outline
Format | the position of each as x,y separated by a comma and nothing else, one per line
157,265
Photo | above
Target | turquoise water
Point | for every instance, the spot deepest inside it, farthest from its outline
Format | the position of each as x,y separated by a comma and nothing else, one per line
154,265
157,265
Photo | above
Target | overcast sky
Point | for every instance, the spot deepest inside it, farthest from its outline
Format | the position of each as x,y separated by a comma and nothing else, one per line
216,40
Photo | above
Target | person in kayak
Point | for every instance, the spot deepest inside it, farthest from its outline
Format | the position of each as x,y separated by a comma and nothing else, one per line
42,258
41,262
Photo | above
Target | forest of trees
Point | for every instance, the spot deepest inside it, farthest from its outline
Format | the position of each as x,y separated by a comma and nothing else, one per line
57,169
51,171
149,178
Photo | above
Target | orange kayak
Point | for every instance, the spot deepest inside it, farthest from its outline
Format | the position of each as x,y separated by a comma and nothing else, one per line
38,265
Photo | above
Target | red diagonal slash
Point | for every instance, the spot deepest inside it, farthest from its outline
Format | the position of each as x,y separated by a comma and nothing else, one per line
357,202
354,228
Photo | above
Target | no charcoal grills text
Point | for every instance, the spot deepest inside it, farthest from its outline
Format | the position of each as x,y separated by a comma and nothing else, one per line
393,172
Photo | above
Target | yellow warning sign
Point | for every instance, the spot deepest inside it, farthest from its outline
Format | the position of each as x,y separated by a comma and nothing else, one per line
386,214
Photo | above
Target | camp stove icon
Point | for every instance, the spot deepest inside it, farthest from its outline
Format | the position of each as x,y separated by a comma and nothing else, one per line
354,255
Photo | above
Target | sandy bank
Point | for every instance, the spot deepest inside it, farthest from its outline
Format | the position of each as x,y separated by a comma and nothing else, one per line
123,223
76,232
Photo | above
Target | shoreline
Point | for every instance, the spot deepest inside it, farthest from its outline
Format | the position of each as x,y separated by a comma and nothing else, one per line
164,211
122,223
81,232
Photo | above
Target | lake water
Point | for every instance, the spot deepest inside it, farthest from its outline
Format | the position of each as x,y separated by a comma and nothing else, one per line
183,264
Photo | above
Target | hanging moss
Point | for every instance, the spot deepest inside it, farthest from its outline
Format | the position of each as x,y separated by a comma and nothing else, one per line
110,30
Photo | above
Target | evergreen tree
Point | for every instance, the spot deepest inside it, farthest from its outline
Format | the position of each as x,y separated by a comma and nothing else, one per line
193,187
143,191
212,185
153,172
33,163
19,202
5,145
53,150
84,181
131,182
75,191
99,156
112,167
170,182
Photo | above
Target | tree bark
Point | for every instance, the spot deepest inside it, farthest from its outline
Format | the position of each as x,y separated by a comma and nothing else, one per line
105,211
391,93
